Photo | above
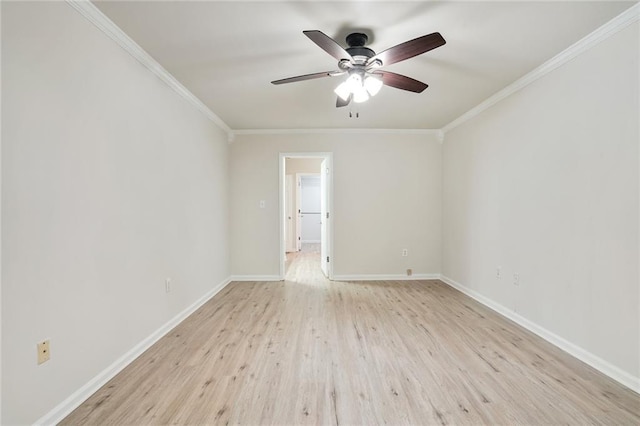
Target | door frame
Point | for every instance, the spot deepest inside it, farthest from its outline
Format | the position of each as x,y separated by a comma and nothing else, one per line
290,222
328,156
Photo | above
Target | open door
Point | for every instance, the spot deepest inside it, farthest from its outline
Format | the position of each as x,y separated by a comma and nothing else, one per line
323,160
324,218
298,238
289,220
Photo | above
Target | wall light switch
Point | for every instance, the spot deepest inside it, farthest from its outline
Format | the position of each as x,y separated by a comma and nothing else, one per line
263,203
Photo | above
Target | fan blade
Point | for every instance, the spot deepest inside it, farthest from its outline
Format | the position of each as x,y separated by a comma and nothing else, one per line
409,49
342,103
305,77
401,81
328,44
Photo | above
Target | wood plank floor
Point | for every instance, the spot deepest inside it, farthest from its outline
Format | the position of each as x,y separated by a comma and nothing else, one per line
310,351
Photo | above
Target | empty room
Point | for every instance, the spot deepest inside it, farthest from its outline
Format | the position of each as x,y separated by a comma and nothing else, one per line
309,212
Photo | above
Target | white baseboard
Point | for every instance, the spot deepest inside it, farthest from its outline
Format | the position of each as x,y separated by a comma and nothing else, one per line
255,278
78,397
583,355
386,277
74,400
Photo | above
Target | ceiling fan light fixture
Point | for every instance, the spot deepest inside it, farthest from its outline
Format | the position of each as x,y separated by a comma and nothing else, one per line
354,82
352,85
372,84
343,91
360,95
361,64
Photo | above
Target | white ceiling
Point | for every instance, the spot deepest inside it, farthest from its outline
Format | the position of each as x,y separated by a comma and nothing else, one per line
226,53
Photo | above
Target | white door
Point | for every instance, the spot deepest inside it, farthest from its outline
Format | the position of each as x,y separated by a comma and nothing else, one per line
310,209
289,234
324,218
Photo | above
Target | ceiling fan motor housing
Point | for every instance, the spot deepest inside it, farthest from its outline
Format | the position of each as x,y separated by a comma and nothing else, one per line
356,49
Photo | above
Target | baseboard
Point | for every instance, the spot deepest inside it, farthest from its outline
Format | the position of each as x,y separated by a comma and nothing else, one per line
397,277
256,278
78,397
74,400
386,277
583,355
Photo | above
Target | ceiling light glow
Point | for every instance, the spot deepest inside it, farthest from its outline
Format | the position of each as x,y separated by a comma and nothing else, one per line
360,95
343,91
359,85
372,84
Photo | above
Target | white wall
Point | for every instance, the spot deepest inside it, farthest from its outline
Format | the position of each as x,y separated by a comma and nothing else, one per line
545,184
110,183
387,191
302,165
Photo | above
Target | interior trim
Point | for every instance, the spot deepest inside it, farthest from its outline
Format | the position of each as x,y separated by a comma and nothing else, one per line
255,278
612,27
107,26
333,131
102,22
386,277
58,413
572,349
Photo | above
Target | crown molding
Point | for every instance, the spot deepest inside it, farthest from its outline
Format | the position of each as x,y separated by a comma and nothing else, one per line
106,25
102,22
612,27
334,131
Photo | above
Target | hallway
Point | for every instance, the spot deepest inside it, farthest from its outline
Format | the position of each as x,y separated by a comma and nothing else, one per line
304,266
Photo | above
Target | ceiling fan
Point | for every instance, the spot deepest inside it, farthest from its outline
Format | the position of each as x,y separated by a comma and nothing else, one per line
362,65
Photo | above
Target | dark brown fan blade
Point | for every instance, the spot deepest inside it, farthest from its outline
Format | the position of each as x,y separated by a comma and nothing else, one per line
341,103
328,44
409,49
401,81
304,77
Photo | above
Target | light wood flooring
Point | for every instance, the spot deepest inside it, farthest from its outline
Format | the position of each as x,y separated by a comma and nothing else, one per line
310,351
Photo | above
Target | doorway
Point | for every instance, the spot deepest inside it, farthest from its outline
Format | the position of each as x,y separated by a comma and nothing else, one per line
306,197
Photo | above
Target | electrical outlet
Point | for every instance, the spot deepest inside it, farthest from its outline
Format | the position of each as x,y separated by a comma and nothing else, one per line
409,272
405,252
43,352
516,279
499,272
167,285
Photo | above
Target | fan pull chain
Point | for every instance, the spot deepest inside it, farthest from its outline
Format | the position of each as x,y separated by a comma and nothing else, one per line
357,114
